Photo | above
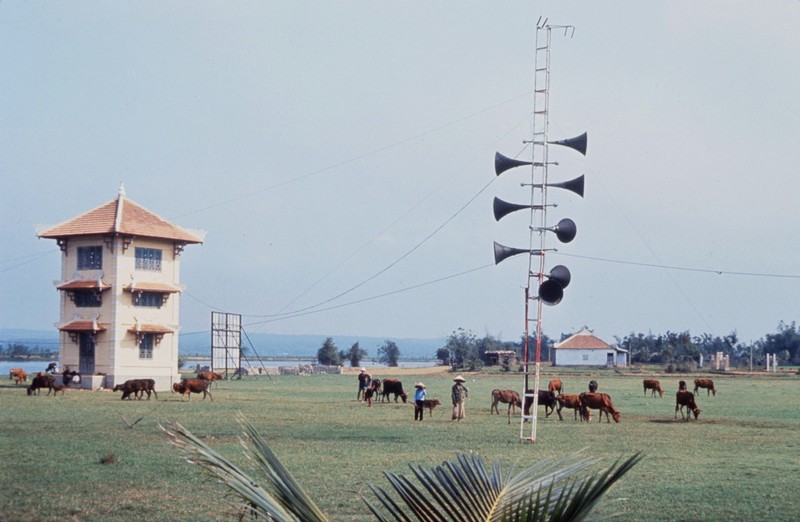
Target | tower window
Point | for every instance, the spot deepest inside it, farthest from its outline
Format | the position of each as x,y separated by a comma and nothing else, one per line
90,258
148,259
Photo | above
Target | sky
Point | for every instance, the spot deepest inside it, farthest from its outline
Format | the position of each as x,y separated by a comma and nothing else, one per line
339,157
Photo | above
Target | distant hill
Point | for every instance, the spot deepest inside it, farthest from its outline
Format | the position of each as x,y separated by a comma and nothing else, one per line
264,344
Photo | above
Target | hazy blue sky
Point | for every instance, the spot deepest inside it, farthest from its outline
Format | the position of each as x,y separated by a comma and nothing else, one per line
339,157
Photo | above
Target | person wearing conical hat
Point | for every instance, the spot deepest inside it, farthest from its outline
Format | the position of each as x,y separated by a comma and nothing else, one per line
459,394
363,383
419,400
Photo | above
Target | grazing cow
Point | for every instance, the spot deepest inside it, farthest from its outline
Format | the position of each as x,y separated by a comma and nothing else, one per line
137,388
210,376
190,386
593,386
430,404
373,390
39,382
570,401
599,401
686,399
393,386
18,374
708,384
654,386
546,399
509,397
555,385
57,388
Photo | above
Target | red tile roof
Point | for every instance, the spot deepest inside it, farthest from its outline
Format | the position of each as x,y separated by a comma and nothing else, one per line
84,284
583,340
151,287
82,326
150,328
121,216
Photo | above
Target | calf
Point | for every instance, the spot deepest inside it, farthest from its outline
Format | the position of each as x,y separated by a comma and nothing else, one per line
599,401
654,386
393,386
190,386
686,399
18,374
373,390
210,376
58,388
430,404
570,401
509,397
546,398
708,384
555,385
39,382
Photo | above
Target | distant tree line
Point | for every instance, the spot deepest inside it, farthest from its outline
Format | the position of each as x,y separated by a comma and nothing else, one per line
329,355
676,351
19,351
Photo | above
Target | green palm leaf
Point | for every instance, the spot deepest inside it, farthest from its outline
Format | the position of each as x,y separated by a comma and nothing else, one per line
461,491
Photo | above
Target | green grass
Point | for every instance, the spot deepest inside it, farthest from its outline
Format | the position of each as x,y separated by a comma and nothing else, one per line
738,462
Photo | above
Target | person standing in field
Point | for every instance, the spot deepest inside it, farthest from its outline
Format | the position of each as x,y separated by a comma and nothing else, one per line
459,394
419,401
363,383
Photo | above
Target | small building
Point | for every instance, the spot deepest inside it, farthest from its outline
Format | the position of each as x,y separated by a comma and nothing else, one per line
506,358
584,349
119,293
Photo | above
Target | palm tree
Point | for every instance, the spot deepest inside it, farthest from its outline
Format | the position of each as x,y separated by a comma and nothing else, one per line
463,490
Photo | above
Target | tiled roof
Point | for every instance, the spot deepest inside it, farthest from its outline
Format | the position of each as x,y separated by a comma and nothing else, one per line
82,326
583,340
151,287
120,216
150,328
84,284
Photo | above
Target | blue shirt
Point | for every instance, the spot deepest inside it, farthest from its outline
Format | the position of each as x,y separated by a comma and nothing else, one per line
419,395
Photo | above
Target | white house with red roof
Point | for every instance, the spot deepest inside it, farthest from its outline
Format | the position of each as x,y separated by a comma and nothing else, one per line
119,293
585,349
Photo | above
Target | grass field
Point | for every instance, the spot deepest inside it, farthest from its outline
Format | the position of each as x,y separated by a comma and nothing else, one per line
740,461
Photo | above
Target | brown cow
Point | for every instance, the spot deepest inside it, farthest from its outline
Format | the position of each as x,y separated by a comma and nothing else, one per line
555,385
58,388
210,376
190,386
570,401
18,374
137,387
708,384
393,386
599,401
39,382
509,397
546,398
686,398
654,386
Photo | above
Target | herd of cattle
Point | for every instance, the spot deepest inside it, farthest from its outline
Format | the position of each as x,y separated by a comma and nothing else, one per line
553,398
131,389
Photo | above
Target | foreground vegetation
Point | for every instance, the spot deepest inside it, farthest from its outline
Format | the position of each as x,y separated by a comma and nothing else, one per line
75,458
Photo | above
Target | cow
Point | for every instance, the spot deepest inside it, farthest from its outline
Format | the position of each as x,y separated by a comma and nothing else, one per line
39,382
393,386
593,386
373,390
210,376
430,404
708,384
190,386
654,386
555,385
570,401
18,374
684,398
546,398
599,401
137,388
509,397
57,388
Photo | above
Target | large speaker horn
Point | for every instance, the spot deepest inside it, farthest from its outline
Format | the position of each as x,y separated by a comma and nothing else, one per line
551,292
578,143
503,208
565,230
501,252
573,185
561,275
503,163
